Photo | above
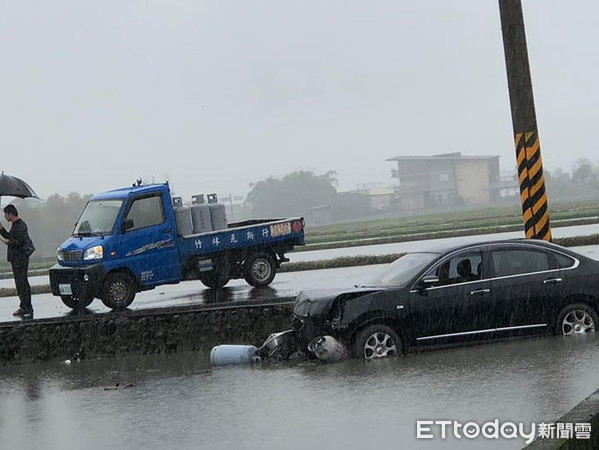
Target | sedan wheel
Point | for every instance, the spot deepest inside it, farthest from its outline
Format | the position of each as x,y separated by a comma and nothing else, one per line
576,319
377,341
577,322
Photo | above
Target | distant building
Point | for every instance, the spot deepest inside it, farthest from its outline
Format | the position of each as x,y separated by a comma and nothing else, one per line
509,186
446,180
319,215
379,197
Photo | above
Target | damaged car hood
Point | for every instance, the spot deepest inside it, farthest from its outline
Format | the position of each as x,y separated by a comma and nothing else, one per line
316,301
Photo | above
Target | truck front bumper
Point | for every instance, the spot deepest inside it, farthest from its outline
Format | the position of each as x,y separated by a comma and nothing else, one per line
78,282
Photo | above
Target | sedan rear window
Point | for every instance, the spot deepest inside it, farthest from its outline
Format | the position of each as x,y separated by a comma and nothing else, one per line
518,261
563,261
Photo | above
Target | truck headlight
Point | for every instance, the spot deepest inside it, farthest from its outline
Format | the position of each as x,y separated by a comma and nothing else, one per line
59,254
96,252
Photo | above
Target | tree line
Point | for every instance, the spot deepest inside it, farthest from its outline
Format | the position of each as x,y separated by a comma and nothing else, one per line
50,222
581,182
299,193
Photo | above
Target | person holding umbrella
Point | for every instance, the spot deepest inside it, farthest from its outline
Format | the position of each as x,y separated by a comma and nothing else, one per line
19,250
20,246
17,239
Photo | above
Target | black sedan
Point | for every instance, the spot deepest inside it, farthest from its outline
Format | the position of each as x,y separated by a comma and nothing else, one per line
469,292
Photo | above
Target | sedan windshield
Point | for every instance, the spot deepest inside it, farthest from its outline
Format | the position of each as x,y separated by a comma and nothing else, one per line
98,217
403,270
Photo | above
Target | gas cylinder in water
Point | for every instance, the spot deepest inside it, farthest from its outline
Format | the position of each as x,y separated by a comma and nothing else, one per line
327,348
218,214
233,354
200,215
182,217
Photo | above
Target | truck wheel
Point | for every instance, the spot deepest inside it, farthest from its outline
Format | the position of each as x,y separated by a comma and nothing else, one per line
119,291
77,303
215,278
259,269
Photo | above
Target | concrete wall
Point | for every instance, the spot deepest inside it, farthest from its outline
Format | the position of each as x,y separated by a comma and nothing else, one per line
586,411
140,332
472,176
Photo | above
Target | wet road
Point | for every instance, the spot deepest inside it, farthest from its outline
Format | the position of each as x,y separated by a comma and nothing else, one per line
178,401
400,247
285,285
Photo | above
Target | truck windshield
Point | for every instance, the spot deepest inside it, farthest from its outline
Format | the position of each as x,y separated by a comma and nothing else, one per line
98,217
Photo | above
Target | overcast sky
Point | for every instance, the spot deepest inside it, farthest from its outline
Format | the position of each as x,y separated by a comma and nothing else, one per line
214,95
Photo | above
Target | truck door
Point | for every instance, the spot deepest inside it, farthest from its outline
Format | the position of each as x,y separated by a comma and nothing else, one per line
148,240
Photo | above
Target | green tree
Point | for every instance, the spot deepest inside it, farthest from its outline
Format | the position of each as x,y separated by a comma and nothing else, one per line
292,195
582,172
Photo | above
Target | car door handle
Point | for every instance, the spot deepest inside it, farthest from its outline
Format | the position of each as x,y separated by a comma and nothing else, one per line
167,231
480,291
552,281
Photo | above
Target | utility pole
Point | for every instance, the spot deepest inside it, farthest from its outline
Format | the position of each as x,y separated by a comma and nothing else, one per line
524,121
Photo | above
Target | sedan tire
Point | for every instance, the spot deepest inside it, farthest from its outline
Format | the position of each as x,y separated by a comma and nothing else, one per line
577,318
377,341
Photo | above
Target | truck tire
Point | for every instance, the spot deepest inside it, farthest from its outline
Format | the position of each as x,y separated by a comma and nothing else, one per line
119,291
215,278
259,269
76,303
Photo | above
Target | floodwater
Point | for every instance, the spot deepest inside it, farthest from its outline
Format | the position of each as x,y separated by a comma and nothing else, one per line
180,402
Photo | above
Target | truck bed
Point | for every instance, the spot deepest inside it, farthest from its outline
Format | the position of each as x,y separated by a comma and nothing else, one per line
245,234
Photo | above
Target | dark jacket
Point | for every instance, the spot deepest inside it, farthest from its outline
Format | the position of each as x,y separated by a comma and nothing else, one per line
17,238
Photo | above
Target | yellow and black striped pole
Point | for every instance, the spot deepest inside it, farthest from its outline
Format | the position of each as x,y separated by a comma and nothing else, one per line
532,187
533,195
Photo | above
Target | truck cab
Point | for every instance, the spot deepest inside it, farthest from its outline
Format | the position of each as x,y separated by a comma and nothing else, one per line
124,240
127,240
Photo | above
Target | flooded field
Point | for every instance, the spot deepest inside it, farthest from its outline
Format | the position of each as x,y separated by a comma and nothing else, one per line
179,401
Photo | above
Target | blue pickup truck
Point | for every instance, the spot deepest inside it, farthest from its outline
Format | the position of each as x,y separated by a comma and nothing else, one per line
126,241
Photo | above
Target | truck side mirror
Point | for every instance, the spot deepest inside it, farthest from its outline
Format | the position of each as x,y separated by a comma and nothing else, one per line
127,225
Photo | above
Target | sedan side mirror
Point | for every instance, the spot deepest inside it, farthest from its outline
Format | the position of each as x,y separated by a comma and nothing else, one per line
428,281
127,225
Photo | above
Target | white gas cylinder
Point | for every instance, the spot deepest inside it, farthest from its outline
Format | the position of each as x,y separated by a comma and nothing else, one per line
327,348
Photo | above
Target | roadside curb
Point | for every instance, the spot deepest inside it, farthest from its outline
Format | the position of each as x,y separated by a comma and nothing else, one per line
586,411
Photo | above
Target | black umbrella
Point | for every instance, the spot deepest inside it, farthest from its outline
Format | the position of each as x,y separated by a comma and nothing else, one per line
15,187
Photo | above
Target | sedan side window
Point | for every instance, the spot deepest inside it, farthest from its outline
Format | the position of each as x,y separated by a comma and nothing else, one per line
563,261
519,261
459,269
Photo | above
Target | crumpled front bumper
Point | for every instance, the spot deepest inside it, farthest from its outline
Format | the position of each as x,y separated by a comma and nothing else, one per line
311,312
